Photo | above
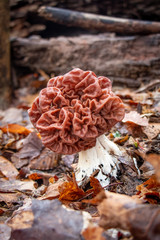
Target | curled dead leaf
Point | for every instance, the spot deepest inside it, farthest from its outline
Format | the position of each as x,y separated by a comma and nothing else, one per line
136,118
149,191
70,191
52,190
96,186
15,128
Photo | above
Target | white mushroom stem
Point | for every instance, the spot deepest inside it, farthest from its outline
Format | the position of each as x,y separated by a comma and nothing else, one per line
102,157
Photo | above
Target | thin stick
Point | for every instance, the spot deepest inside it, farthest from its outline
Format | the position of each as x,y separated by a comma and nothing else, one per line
113,184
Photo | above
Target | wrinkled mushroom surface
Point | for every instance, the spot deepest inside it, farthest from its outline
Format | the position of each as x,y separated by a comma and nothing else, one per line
74,109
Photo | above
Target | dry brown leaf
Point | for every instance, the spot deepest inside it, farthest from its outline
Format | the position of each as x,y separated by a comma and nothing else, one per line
154,159
12,115
46,220
68,160
136,118
93,233
26,186
45,161
152,130
28,99
35,176
96,187
149,191
52,191
147,170
32,147
124,212
113,209
2,211
22,220
45,177
7,168
70,191
15,128
10,198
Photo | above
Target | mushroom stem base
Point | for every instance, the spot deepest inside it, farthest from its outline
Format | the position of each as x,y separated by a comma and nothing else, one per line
102,157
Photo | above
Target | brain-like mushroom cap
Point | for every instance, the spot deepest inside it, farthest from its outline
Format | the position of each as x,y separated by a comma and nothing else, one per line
74,109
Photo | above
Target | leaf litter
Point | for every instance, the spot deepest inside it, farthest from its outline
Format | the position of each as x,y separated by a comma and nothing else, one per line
40,198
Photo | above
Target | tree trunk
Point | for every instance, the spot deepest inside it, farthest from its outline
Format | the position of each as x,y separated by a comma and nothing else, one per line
5,86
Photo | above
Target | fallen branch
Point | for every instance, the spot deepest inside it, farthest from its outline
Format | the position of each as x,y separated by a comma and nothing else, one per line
99,22
150,86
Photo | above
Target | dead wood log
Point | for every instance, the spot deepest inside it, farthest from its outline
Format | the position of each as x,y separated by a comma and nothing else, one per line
99,22
128,61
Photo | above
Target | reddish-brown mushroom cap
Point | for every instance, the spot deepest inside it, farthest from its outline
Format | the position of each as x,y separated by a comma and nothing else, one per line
74,109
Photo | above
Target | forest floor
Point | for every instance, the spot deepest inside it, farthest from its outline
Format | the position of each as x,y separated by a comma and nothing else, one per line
39,196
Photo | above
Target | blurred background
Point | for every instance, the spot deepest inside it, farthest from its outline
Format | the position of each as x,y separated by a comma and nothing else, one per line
34,48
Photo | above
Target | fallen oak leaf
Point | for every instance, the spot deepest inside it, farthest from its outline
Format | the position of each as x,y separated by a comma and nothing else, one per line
70,191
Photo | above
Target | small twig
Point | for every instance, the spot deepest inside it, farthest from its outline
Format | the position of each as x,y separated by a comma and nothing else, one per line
113,184
89,194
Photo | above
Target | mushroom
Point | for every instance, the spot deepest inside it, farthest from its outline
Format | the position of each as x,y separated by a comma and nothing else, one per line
73,114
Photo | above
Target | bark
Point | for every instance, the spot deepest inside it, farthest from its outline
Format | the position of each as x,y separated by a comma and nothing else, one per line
128,61
5,86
